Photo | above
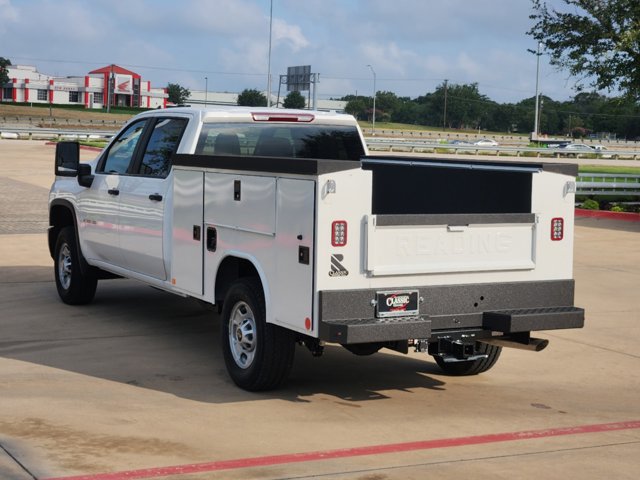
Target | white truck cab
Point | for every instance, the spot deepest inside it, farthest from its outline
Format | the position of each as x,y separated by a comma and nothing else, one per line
282,219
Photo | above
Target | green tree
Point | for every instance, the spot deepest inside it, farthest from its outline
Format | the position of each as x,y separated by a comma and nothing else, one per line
250,97
4,72
294,100
465,106
177,94
356,106
387,104
597,41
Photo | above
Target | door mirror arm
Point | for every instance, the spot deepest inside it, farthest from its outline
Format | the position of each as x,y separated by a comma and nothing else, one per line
85,178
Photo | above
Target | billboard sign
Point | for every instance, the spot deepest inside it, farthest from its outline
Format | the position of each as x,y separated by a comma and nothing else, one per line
298,78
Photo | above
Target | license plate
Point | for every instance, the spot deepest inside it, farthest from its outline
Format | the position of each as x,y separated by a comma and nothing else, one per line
397,304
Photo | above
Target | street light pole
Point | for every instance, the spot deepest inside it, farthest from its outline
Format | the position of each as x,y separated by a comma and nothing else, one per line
373,126
536,119
206,89
269,61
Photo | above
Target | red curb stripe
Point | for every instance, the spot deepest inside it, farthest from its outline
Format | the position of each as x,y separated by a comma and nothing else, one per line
353,452
627,217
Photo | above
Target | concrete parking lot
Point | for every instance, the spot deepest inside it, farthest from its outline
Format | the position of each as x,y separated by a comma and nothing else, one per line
134,385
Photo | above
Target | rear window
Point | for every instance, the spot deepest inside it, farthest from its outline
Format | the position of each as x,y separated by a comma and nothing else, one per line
280,140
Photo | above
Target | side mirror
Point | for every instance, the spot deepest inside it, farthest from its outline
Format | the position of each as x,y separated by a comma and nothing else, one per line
67,159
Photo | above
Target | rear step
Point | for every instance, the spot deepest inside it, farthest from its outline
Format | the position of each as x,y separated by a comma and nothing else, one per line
532,319
374,330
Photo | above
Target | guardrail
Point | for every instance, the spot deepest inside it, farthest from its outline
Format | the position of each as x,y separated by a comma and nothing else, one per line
391,145
59,121
434,135
609,184
54,133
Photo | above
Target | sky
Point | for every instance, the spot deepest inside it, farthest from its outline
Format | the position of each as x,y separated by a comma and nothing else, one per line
412,45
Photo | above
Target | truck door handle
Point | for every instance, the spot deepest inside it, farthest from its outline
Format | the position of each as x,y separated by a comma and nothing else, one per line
156,197
113,191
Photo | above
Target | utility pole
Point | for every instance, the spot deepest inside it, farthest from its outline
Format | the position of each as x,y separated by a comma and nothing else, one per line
539,119
206,89
109,90
536,121
444,116
373,126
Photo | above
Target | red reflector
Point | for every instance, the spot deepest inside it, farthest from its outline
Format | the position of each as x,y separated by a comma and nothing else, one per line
339,233
282,117
557,229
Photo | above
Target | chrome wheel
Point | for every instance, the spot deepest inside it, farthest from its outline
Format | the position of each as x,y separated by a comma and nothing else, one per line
242,335
64,266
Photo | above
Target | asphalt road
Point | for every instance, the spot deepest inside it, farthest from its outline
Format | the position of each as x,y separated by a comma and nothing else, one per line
134,384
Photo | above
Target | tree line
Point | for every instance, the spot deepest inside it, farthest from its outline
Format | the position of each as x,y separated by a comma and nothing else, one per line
454,106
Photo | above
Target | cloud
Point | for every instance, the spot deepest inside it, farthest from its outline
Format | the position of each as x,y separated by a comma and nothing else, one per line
290,35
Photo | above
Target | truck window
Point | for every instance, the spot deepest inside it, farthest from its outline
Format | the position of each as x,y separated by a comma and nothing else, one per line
330,142
122,150
163,142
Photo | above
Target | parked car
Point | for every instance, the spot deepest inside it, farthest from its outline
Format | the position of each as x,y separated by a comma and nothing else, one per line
575,149
486,142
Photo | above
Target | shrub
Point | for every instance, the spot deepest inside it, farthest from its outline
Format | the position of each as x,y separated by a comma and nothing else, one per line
617,208
591,204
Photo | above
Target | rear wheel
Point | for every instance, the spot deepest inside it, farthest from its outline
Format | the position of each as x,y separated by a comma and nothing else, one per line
74,286
258,355
472,367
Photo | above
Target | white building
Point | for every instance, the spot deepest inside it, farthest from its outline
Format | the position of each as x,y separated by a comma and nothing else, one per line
27,85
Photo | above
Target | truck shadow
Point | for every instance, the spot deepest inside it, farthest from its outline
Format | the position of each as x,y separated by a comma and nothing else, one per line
149,339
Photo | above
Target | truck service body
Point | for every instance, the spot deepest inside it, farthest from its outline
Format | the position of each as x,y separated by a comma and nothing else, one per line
284,220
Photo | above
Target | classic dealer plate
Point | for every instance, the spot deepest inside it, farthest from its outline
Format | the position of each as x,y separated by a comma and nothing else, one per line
397,303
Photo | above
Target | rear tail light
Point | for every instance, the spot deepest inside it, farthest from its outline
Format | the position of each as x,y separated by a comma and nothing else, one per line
557,229
339,233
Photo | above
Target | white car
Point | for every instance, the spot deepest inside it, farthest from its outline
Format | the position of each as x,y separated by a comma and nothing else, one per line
577,147
486,142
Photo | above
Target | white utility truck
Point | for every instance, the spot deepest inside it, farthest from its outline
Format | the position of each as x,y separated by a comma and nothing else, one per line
282,220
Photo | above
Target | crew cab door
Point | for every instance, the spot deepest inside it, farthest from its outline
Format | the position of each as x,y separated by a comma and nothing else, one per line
143,196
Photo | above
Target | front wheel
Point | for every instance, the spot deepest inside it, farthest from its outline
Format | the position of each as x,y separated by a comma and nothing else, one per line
258,355
472,367
74,287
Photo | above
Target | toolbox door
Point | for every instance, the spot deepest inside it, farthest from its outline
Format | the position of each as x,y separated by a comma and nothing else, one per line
187,232
294,249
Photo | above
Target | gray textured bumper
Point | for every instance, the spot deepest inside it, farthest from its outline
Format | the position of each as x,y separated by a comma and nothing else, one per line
349,316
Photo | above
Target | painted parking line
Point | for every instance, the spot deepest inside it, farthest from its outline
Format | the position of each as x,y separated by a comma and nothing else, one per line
353,452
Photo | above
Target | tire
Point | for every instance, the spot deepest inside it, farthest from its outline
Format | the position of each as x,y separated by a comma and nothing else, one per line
363,349
74,287
258,355
472,367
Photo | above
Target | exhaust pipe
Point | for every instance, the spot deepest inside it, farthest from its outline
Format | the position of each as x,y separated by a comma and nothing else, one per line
533,344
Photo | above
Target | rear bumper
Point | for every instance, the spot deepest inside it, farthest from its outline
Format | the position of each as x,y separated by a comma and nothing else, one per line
350,316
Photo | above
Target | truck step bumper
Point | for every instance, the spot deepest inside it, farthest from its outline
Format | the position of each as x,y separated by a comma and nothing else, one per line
532,319
374,330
